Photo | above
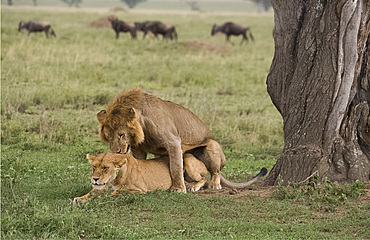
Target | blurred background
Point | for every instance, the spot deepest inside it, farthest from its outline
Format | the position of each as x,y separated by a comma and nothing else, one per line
192,5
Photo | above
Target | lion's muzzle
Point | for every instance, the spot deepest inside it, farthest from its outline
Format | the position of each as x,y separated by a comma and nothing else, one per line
120,151
96,184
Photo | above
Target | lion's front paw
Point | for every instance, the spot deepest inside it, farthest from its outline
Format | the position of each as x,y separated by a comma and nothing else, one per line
179,190
79,199
194,188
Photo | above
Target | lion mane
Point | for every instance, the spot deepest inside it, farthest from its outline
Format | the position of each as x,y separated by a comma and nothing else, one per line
121,110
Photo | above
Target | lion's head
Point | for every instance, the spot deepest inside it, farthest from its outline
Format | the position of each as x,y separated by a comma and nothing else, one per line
119,125
105,167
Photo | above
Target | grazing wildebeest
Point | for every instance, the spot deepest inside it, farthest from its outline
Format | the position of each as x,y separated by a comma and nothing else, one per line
230,28
157,27
140,26
121,26
33,26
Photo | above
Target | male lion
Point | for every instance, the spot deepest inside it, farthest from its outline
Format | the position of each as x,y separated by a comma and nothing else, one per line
124,172
148,124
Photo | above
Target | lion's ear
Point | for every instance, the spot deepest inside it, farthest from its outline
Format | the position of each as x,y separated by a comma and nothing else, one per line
101,115
120,162
132,114
90,157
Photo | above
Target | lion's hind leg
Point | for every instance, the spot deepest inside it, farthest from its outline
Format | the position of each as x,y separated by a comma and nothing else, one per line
214,159
196,170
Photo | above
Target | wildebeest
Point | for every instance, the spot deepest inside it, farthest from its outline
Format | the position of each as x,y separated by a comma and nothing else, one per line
157,27
230,28
121,26
33,26
140,26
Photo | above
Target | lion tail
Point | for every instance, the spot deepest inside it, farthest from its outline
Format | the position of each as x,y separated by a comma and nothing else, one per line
229,184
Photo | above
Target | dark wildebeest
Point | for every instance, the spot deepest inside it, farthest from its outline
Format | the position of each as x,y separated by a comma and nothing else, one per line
140,26
33,26
121,26
157,27
230,28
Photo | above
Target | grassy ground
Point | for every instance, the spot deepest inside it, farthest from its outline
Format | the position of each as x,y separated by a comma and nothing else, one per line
53,88
209,6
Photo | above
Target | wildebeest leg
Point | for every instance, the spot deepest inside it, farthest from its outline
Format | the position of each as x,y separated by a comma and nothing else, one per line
53,33
227,38
133,34
244,38
251,35
29,32
145,32
167,35
117,34
46,29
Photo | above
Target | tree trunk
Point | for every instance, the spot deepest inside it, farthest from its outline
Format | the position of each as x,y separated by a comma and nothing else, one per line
319,81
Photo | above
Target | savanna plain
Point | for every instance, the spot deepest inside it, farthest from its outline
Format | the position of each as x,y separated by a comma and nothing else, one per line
51,90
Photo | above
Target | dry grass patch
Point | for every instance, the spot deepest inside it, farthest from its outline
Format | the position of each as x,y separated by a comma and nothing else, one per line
101,23
202,46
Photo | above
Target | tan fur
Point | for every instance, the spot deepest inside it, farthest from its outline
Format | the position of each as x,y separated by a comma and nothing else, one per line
124,172
147,124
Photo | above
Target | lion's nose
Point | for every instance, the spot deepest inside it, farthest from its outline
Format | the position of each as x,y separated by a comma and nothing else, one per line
95,179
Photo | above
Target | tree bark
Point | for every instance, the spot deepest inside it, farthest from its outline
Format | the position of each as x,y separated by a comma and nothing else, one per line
319,81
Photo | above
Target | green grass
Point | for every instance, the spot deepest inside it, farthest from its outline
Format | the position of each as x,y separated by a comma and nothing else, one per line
206,6
52,89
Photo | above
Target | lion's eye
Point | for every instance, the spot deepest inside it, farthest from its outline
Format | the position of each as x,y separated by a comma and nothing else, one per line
94,167
105,169
120,136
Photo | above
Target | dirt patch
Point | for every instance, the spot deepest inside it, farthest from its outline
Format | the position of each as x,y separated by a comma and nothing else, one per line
101,23
117,9
255,190
198,45
259,191
237,193
224,93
